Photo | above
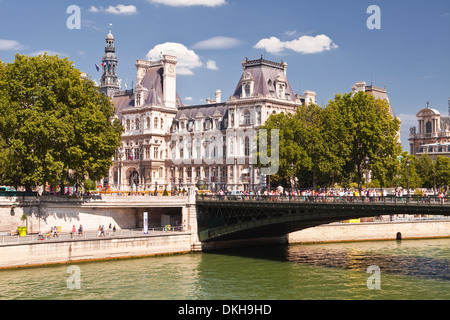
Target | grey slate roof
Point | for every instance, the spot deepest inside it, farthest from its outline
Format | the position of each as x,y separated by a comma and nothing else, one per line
264,73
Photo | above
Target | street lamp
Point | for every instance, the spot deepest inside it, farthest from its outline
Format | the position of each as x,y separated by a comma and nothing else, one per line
407,165
292,179
172,169
366,161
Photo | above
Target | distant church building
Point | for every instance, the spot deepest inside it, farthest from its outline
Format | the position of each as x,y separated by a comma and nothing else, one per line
167,144
432,135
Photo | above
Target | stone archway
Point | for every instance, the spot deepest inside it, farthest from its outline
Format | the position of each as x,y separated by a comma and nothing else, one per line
133,178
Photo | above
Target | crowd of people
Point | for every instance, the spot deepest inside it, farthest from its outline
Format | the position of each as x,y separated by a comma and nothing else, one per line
368,195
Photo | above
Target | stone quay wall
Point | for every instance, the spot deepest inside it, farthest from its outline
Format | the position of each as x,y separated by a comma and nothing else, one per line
340,232
80,250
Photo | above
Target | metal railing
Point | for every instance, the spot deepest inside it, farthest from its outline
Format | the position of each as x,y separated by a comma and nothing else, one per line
89,234
369,200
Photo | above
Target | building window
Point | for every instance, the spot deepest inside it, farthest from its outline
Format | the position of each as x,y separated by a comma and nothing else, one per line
128,125
147,152
429,127
189,172
137,124
197,173
148,122
155,153
155,124
246,117
162,124
161,173
247,90
138,99
247,147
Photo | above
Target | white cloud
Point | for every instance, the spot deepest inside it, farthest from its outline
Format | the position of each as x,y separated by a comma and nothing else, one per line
211,65
94,9
187,59
120,9
188,99
10,45
304,44
272,45
217,43
189,3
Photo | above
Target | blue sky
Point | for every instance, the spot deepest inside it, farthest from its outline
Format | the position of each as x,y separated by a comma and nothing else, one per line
326,43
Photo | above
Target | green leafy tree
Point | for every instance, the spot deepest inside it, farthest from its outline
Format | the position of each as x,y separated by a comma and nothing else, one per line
368,129
401,180
55,127
443,171
425,167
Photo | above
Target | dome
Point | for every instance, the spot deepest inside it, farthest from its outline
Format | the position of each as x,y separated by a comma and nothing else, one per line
109,36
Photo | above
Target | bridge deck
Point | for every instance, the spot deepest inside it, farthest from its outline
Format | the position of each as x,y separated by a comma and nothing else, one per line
244,216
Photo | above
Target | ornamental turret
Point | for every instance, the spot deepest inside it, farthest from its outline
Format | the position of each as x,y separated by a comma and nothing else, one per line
109,83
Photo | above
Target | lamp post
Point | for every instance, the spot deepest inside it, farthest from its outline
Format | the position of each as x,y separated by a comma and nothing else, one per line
292,176
172,169
407,165
366,161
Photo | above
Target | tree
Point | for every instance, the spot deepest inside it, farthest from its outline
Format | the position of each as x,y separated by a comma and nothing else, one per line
401,180
368,129
425,167
54,126
443,171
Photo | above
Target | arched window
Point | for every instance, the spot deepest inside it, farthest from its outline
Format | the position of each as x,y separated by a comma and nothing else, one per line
137,124
128,125
155,124
429,127
246,117
148,122
247,90
162,124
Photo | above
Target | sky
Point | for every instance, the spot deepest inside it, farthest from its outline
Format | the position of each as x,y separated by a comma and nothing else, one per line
329,45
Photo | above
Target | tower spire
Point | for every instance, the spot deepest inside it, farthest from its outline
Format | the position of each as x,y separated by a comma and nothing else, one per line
109,83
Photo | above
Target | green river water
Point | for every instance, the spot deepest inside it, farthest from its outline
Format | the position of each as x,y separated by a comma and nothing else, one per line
411,269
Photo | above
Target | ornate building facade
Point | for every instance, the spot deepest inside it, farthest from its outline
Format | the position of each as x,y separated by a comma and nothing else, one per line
432,134
167,144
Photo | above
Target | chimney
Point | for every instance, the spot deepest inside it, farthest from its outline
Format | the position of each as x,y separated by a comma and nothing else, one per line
310,97
359,86
218,96
169,81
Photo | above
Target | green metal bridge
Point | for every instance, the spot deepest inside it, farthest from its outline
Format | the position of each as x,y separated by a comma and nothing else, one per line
245,217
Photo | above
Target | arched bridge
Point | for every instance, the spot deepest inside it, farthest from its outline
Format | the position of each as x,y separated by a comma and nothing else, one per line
244,217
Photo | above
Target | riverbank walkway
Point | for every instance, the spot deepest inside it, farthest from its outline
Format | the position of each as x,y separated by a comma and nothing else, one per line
6,239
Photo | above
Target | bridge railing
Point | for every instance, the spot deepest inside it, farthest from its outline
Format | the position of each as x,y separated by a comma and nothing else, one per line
370,200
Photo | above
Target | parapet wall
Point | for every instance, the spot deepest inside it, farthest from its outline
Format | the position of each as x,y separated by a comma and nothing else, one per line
125,212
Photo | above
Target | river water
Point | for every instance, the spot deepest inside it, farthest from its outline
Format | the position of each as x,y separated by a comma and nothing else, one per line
409,269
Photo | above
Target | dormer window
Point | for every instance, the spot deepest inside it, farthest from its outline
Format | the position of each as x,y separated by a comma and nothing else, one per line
138,99
247,85
247,90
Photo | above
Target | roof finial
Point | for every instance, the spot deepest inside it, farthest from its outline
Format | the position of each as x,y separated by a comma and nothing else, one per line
428,105
110,27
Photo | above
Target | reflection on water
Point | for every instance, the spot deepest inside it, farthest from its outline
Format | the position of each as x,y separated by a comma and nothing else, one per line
409,270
